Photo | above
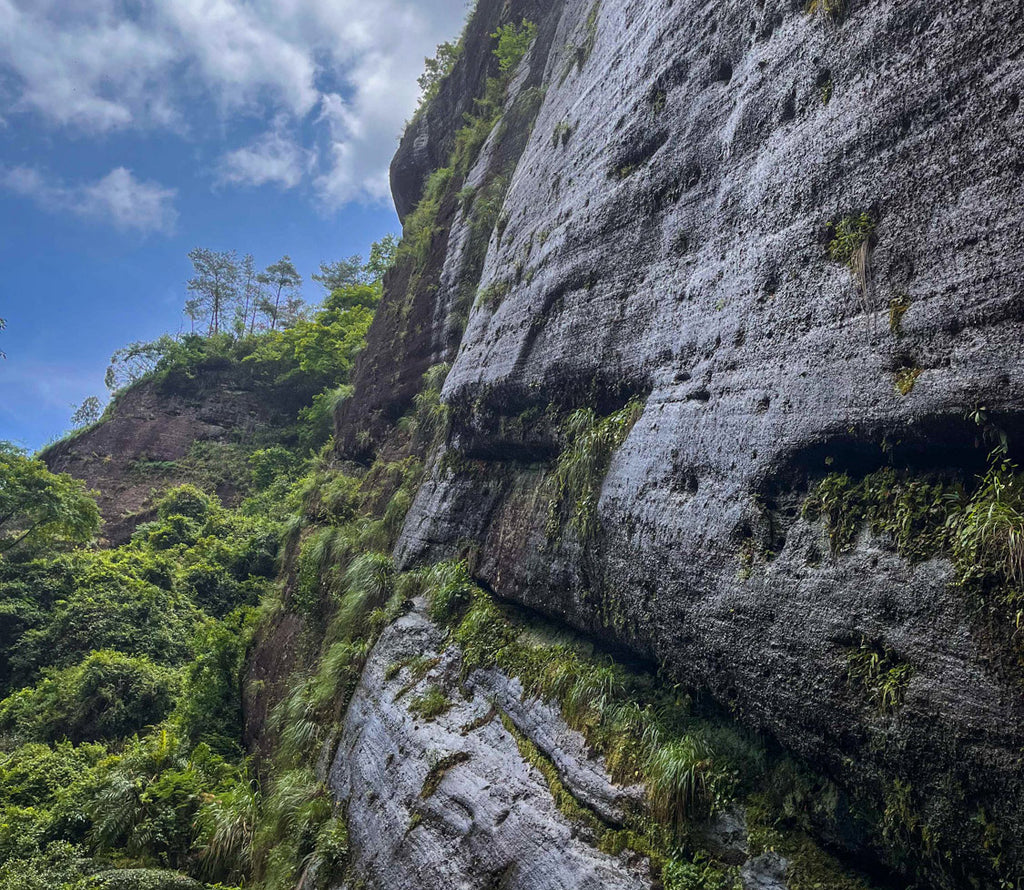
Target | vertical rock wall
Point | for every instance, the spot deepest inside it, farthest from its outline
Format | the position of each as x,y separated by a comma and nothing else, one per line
665,235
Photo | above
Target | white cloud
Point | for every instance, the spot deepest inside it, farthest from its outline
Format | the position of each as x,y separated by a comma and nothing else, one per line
338,73
273,158
92,71
239,51
128,203
118,198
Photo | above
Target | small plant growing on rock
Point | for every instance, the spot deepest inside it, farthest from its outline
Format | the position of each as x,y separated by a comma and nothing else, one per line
902,826
704,873
880,674
913,511
369,583
465,197
850,236
989,537
431,704
428,421
578,55
905,380
832,10
982,531
491,296
561,134
582,465
851,241
898,307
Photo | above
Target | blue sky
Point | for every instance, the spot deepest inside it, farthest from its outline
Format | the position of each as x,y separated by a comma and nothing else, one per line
134,130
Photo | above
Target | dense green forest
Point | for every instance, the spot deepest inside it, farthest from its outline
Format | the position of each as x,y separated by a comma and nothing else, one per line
121,670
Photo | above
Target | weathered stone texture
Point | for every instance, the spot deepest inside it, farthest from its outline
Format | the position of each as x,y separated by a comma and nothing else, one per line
674,246
449,802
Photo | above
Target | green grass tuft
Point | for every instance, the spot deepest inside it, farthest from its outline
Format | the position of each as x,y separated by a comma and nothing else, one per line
431,704
684,781
590,443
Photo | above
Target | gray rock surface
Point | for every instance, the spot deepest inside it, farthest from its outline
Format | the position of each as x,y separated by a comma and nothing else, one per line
449,802
674,247
765,872
543,725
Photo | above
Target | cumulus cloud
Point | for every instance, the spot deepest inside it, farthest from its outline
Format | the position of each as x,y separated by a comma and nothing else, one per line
273,158
118,198
338,74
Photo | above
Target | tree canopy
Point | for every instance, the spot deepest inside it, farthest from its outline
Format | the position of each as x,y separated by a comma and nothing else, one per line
437,68
87,413
215,285
282,304
39,508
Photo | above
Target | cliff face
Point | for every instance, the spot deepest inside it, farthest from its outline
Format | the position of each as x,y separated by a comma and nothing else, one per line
795,238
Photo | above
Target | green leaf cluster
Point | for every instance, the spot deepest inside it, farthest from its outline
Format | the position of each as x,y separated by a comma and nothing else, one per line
40,509
514,41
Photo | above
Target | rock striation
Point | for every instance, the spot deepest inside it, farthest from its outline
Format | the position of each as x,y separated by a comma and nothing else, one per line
447,801
673,177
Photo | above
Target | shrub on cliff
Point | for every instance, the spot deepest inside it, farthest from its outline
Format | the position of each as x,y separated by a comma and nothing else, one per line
514,42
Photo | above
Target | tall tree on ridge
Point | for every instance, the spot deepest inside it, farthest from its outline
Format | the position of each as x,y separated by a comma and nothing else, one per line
382,258
194,311
343,273
215,283
252,292
283,280
87,413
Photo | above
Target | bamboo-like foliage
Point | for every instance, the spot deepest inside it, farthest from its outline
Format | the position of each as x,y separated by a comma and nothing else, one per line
369,583
680,780
227,824
991,529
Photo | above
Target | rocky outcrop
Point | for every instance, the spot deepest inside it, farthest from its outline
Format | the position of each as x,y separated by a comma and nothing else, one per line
422,320
144,443
665,235
447,800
